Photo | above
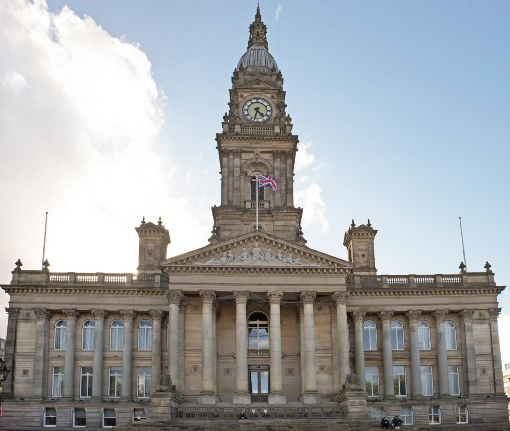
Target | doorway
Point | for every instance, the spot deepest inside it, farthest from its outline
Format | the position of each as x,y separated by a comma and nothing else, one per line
259,383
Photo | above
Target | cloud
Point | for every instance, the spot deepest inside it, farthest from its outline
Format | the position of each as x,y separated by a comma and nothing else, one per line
278,10
303,157
314,213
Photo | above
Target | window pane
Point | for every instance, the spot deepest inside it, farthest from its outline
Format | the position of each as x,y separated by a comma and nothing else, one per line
399,380
369,336
50,417
450,335
426,380
424,335
117,335
453,380
406,414
462,414
397,336
109,418
372,381
264,382
60,335
80,418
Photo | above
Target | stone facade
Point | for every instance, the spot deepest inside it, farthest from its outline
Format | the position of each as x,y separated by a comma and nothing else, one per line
256,317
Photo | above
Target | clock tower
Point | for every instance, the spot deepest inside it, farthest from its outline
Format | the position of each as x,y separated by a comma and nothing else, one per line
256,140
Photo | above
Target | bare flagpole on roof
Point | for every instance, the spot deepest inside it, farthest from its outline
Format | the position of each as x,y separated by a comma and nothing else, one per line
462,238
44,242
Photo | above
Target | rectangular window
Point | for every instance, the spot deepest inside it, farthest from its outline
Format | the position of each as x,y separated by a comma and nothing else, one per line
50,417
57,386
406,414
115,382
79,418
86,382
144,386
139,415
109,418
434,415
426,381
462,415
453,379
372,381
399,381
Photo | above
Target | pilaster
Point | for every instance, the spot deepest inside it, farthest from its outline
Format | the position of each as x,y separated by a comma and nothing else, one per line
40,381
413,316
359,349
207,395
442,359
468,353
310,395
71,316
276,395
10,348
174,300
385,318
496,351
340,299
97,361
157,316
242,395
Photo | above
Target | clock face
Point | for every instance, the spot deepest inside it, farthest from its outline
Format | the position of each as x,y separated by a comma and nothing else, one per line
257,110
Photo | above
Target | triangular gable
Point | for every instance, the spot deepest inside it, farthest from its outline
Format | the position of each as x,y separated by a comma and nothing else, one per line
256,249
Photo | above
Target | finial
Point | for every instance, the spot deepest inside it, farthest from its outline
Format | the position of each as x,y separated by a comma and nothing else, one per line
258,31
143,220
257,15
46,264
159,221
462,268
353,224
18,263
487,267
368,224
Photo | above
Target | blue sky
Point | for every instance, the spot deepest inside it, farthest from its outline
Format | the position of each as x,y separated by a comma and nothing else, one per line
402,109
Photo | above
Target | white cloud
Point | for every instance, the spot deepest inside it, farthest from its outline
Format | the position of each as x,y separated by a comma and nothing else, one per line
278,10
303,178
504,329
200,155
314,212
303,157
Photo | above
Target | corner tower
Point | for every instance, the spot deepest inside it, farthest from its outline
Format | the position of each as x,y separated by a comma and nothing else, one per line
256,140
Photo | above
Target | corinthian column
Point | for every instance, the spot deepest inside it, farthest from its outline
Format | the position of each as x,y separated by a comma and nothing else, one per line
359,349
207,395
385,317
157,316
468,353
276,395
442,359
40,380
71,316
310,396
242,396
97,361
10,344
174,300
496,351
413,316
127,354
340,299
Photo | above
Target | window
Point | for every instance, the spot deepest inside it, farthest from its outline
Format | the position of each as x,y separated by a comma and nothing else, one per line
450,335
424,335
79,418
372,381
57,384
50,417
406,414
87,337
254,187
434,415
60,335
369,335
109,418
115,382
377,413
399,381
397,335
145,335
86,382
139,415
453,379
462,415
144,386
117,335
258,331
427,388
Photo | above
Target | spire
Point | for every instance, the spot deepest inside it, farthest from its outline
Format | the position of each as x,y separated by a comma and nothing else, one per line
258,31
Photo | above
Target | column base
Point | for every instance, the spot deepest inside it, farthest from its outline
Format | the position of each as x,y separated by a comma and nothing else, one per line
312,397
276,398
207,398
242,398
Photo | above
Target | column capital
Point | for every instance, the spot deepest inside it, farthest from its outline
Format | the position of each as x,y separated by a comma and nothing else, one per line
13,312
358,316
466,316
494,313
208,296
413,316
440,315
385,315
156,315
241,296
174,297
340,298
42,314
275,296
99,315
307,297
71,315
128,315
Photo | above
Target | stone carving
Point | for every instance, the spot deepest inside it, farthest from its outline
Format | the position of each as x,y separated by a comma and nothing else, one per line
385,315
351,384
275,296
307,297
466,316
440,315
413,316
241,297
494,313
156,315
358,316
128,315
71,315
174,297
99,315
42,314
340,298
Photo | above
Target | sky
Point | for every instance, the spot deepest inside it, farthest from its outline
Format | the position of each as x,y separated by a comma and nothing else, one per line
109,110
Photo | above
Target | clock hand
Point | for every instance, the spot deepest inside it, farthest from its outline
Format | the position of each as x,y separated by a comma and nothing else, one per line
257,112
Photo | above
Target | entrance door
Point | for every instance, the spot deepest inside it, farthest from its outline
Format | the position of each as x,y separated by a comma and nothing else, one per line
259,383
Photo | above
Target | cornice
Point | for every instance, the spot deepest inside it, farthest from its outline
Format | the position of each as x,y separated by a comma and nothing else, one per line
439,291
221,137
81,290
251,270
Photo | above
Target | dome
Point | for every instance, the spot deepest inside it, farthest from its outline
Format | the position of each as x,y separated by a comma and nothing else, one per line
258,56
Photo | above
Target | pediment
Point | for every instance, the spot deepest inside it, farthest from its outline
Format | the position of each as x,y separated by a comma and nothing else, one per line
257,83
256,249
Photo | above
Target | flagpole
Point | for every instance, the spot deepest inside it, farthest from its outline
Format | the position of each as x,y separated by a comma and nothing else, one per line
257,204
44,242
462,238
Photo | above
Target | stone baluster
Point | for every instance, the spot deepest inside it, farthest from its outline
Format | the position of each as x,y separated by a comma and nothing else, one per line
127,354
276,395
385,318
413,316
207,395
496,351
10,347
157,316
359,349
71,316
40,376
242,395
174,300
310,395
468,354
97,360
340,299
442,358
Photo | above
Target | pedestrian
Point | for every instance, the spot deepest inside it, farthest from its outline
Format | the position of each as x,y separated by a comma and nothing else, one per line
396,422
385,423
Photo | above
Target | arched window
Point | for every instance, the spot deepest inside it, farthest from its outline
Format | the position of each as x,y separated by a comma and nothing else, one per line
424,335
369,335
87,335
397,335
117,335
145,335
253,195
450,335
60,335
258,331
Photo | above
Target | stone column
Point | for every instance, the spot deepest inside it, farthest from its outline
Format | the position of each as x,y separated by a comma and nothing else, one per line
359,348
157,316
174,300
10,348
242,395
385,318
310,396
442,359
224,177
413,316
237,177
207,395
289,158
40,376
277,155
340,299
71,316
334,347
230,199
215,317
496,351
300,319
468,353
97,361
127,354
276,395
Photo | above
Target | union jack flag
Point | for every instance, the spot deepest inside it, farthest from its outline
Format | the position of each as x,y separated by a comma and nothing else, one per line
267,182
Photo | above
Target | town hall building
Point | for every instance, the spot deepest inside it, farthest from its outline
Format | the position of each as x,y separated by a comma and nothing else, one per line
255,322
